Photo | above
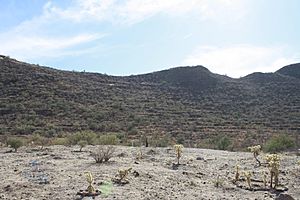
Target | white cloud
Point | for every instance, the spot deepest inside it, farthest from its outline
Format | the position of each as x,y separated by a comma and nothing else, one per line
134,11
27,47
45,35
240,60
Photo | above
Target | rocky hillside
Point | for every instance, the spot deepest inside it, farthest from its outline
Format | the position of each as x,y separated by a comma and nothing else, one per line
189,104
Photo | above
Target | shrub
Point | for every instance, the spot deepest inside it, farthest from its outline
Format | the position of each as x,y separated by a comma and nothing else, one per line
110,139
103,153
14,143
279,143
82,143
88,136
60,141
40,140
222,142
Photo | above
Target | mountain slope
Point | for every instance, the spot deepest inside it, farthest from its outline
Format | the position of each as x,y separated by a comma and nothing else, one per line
185,103
291,70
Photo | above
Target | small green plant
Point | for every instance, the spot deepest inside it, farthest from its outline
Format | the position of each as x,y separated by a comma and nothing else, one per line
90,179
256,151
178,150
273,161
14,143
82,143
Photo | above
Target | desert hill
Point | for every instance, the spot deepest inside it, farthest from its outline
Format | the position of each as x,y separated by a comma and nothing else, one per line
189,104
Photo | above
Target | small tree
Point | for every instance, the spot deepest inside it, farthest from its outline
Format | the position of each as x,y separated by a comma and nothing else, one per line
15,143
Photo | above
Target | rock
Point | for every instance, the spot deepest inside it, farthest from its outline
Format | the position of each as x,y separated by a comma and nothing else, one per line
199,158
284,197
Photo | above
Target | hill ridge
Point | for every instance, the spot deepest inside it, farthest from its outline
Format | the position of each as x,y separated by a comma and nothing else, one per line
185,103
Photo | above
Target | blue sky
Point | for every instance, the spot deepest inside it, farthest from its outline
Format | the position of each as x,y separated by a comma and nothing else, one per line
124,37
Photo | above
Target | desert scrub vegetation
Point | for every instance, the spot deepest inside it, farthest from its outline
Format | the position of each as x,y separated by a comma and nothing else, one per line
88,136
82,143
15,143
256,151
103,153
279,143
39,140
178,151
222,142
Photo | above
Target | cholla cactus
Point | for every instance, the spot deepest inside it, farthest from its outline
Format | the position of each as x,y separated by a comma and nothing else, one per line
90,179
123,173
139,155
178,150
264,174
237,173
256,151
248,175
273,165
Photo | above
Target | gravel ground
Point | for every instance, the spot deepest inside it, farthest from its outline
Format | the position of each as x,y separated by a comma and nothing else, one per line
57,172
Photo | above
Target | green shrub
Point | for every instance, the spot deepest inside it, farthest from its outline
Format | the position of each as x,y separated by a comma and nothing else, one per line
14,143
82,143
88,136
60,141
222,142
279,143
37,139
110,139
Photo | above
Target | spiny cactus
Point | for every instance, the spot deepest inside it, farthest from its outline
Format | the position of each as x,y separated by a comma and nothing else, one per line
123,173
178,150
139,155
218,182
273,165
248,175
264,174
90,179
256,151
237,173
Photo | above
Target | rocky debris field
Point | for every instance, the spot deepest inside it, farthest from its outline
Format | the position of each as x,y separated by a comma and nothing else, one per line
58,172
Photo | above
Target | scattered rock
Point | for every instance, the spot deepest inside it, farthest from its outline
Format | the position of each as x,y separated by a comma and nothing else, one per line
284,197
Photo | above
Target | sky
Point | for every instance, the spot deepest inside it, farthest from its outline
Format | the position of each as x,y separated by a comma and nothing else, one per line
126,37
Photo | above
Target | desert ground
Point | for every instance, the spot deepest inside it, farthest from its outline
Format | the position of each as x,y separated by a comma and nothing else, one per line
57,172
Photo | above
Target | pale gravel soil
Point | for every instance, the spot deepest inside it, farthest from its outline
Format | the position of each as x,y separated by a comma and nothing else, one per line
194,179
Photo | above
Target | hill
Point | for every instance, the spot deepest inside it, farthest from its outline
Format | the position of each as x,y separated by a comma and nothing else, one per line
189,104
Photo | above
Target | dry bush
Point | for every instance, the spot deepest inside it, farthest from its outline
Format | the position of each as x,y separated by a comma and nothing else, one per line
103,153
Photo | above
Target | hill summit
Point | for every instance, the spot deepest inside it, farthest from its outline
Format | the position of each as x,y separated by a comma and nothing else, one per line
186,104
